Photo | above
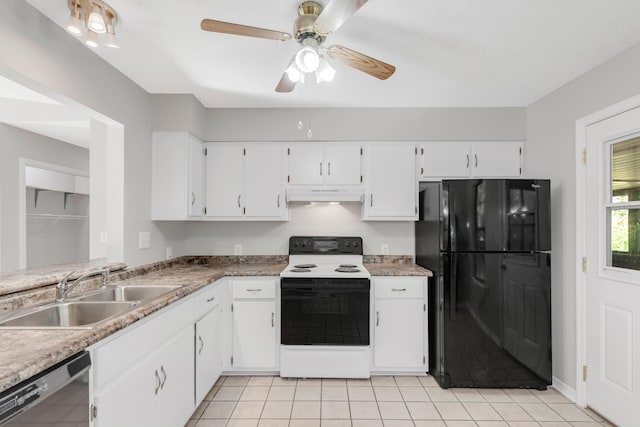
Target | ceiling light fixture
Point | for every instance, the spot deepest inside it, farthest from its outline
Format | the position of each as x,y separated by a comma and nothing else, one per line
309,60
97,17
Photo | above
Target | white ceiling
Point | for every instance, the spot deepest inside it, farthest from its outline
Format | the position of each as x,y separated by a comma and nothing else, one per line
24,108
448,53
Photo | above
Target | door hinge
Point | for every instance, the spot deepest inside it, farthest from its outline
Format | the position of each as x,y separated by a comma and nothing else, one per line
288,178
360,178
205,210
584,264
231,360
288,151
424,307
361,151
205,151
244,151
424,360
584,373
244,211
94,412
232,308
584,156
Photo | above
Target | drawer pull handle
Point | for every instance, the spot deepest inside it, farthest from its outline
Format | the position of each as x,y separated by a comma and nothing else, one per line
254,290
201,344
164,377
399,289
377,318
158,382
211,299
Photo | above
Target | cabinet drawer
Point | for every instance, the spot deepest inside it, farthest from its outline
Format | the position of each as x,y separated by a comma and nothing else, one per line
254,289
399,288
211,297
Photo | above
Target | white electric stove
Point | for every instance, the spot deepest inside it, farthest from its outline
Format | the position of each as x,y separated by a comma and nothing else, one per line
325,309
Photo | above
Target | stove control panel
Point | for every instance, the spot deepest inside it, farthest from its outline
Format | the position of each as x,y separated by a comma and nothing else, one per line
308,245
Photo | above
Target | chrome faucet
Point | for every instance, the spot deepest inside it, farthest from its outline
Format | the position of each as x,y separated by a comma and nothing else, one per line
63,287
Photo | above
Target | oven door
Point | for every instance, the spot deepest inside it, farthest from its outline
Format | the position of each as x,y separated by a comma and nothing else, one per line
318,311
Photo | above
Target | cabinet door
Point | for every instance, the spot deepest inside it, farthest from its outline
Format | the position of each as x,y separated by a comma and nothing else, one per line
254,334
398,333
208,352
175,405
497,159
263,182
158,391
342,164
445,159
391,182
224,180
306,164
196,177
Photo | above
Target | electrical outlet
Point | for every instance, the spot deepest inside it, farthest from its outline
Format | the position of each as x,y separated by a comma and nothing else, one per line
144,240
169,252
237,249
384,248
103,237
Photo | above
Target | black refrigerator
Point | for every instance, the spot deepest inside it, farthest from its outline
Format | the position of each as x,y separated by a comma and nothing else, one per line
488,244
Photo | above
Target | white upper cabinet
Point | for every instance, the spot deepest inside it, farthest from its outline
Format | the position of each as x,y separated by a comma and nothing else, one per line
177,176
331,165
244,182
470,159
391,187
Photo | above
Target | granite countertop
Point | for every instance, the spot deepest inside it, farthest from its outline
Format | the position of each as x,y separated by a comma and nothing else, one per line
29,279
25,353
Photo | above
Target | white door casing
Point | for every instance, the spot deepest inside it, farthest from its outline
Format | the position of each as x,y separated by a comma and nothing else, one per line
609,318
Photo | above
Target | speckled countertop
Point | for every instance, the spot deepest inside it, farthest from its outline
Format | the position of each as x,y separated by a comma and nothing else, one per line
24,353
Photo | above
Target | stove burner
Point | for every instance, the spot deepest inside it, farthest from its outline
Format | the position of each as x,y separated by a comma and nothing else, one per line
305,266
348,266
347,270
300,270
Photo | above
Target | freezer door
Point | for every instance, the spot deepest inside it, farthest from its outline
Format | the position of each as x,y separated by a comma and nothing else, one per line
495,215
495,321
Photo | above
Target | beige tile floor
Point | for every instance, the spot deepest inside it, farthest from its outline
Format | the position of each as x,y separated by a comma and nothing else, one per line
382,401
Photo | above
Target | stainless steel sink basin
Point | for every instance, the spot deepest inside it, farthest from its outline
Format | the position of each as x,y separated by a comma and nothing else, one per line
67,315
128,293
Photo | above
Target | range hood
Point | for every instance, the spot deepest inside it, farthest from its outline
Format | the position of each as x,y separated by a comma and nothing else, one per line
355,195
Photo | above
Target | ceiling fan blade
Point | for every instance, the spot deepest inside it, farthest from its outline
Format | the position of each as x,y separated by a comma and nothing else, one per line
285,84
335,14
366,64
242,30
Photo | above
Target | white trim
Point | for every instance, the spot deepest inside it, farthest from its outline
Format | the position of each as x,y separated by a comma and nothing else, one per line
581,244
22,199
567,391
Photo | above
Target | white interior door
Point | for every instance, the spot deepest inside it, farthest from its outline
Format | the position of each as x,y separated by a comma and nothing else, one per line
613,273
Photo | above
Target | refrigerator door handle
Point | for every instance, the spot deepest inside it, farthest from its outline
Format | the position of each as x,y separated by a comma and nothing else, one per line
452,224
453,287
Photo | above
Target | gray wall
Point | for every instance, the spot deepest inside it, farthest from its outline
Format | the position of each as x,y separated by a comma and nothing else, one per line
16,143
550,152
34,47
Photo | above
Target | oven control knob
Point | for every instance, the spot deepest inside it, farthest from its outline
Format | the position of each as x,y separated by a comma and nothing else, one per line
348,244
355,244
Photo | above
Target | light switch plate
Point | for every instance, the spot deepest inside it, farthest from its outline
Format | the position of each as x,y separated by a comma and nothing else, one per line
144,240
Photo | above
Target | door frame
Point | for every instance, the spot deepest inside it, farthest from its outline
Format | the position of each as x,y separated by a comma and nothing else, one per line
581,242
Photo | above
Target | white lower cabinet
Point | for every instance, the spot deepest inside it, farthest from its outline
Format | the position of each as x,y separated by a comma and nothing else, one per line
208,352
399,324
156,371
154,392
254,324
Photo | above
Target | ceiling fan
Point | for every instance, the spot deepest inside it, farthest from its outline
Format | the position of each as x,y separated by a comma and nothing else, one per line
312,26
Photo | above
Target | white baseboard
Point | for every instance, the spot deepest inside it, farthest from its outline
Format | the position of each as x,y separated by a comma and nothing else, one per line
567,391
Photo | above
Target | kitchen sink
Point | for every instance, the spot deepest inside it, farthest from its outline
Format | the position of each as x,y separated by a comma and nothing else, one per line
67,315
128,293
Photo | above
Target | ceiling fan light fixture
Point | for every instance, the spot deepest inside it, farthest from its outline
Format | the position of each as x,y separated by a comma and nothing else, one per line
95,21
294,74
307,59
110,39
325,72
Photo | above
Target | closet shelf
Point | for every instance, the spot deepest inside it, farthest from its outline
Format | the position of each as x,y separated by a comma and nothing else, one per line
55,218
